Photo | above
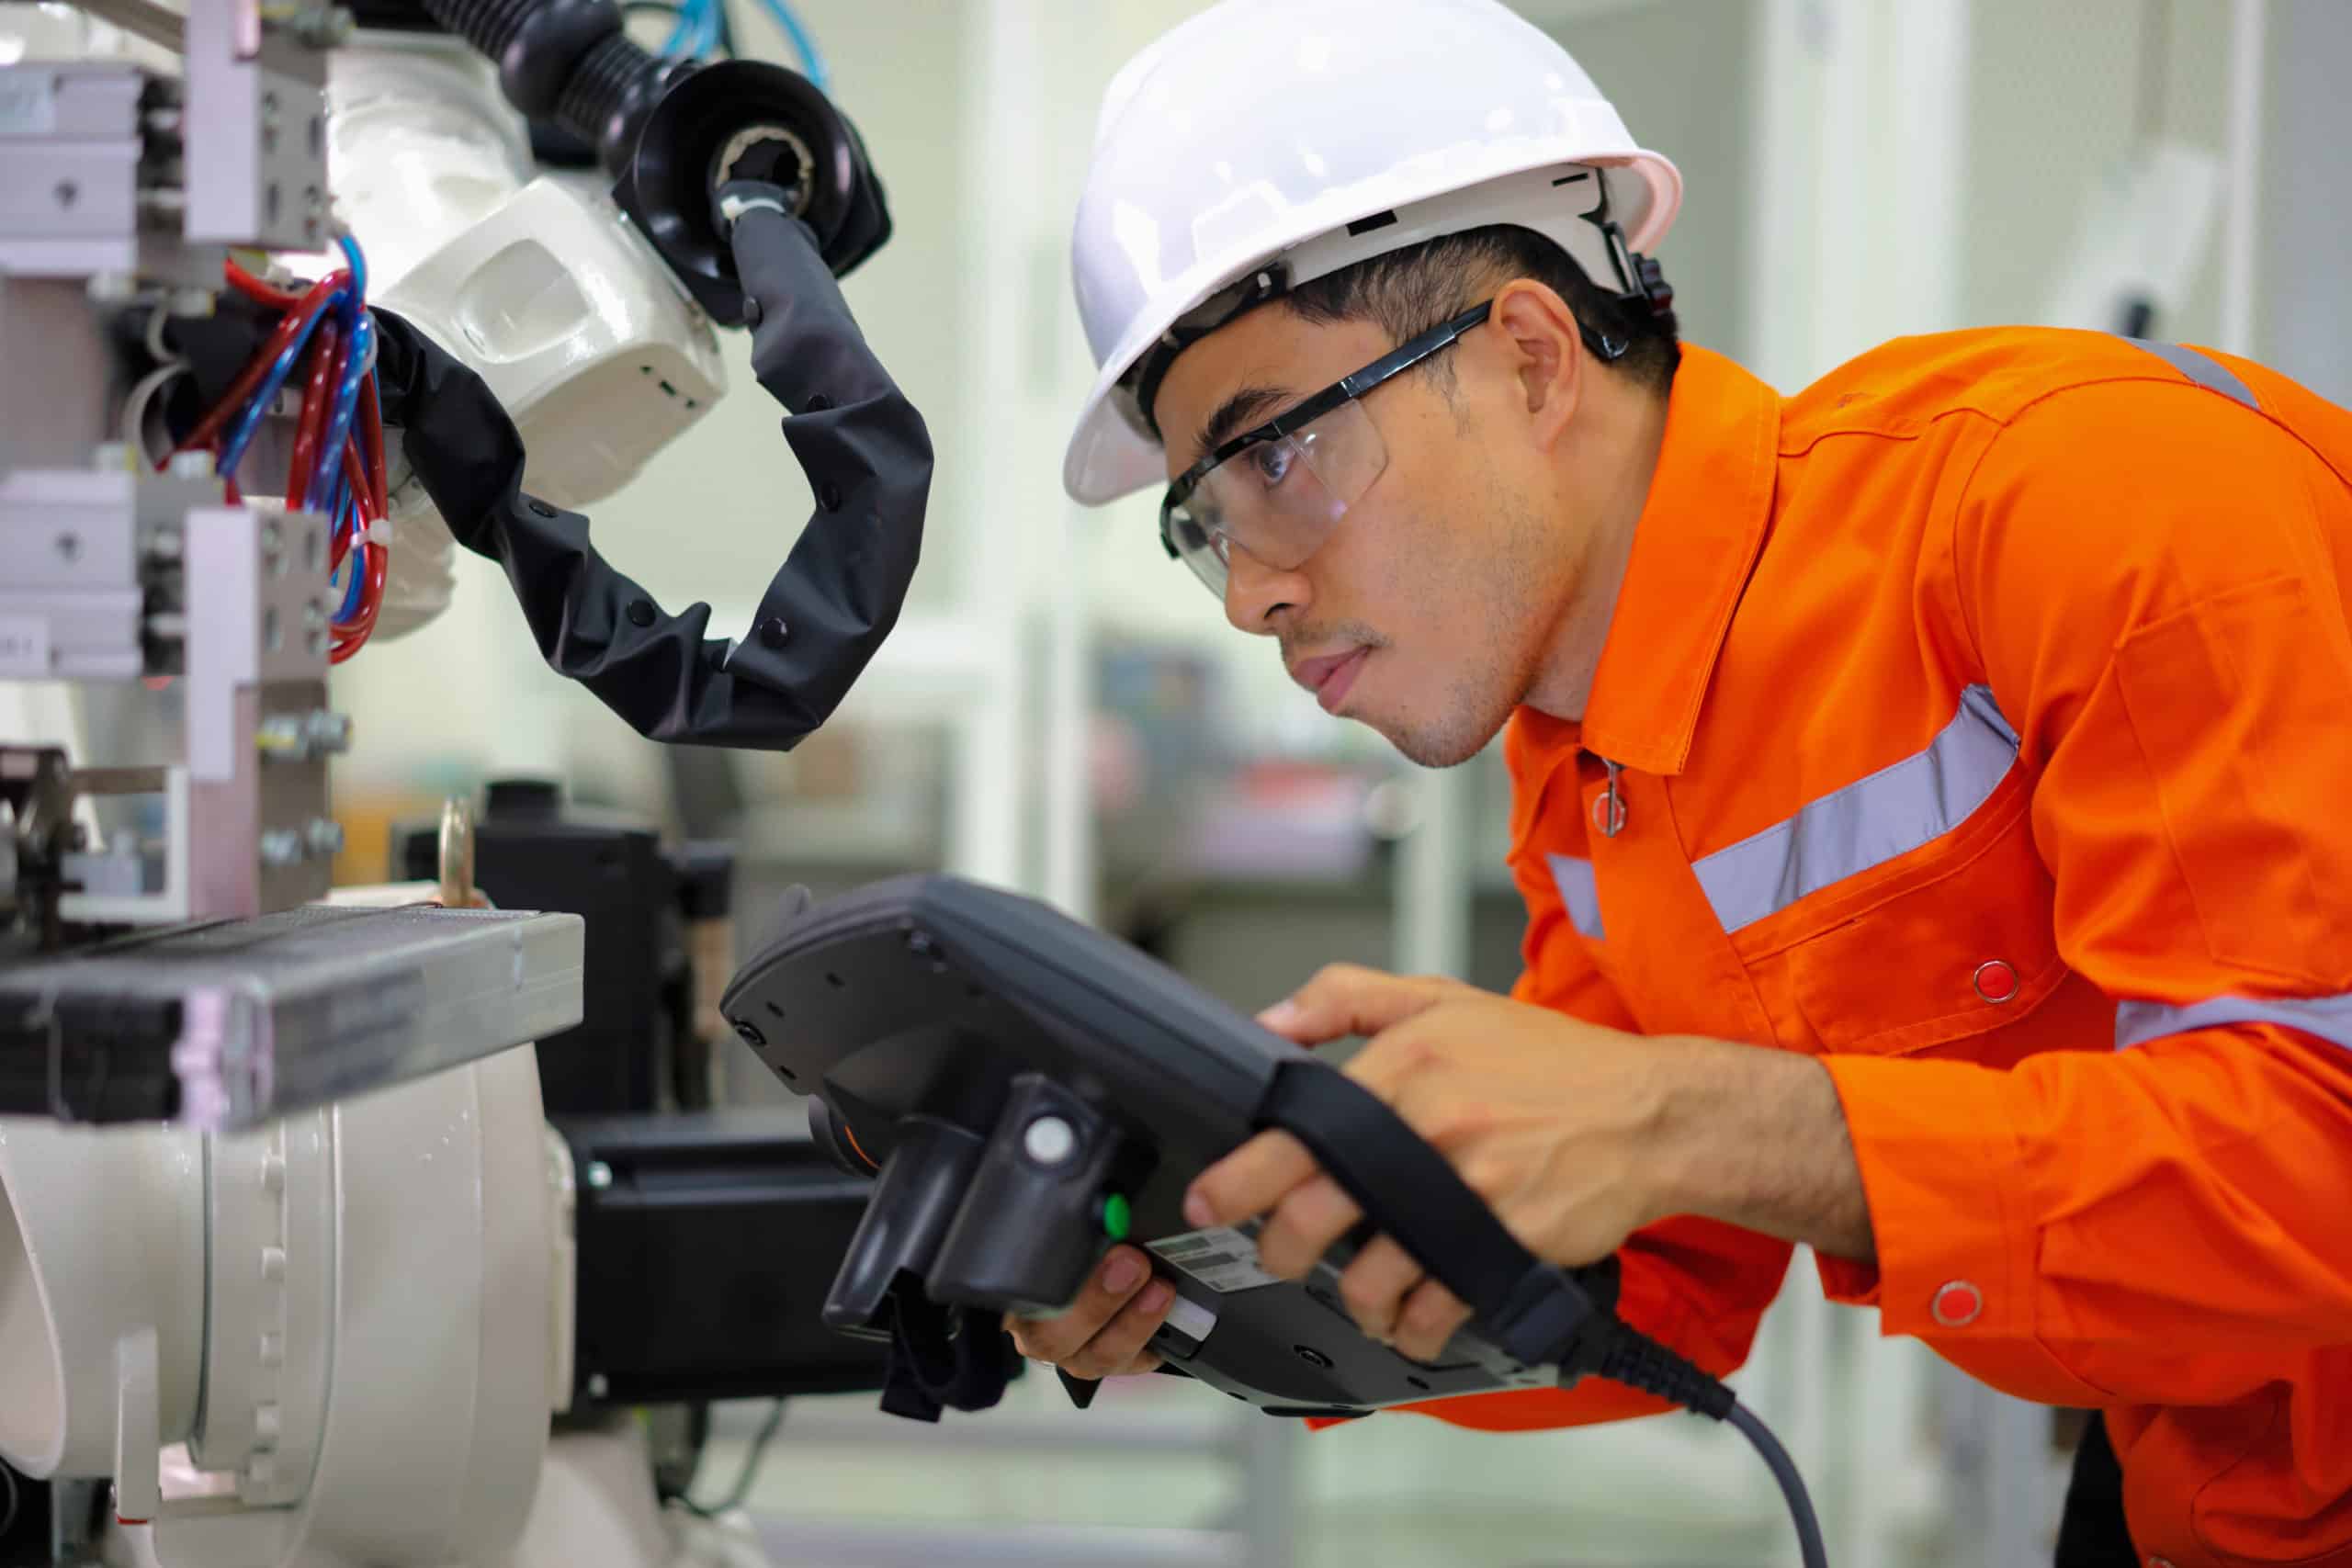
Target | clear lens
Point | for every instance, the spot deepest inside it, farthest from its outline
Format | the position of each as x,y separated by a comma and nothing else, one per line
1277,500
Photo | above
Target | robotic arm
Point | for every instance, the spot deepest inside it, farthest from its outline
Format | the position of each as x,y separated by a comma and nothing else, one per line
830,606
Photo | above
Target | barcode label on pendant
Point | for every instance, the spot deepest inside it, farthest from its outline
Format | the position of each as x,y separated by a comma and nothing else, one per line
1224,1260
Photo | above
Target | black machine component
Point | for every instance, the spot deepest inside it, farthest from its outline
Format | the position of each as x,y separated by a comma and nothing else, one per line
823,615
1027,1090
827,608
670,131
736,1220
637,1046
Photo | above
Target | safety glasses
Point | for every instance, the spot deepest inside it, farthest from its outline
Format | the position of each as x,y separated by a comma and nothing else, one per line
1276,489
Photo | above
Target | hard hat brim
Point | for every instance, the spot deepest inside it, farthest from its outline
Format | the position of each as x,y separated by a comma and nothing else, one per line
1108,457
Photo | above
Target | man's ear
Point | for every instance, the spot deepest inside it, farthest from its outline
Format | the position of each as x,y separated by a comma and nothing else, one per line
1547,356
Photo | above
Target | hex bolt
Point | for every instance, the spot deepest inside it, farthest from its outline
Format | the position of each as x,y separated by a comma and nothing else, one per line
282,737
329,732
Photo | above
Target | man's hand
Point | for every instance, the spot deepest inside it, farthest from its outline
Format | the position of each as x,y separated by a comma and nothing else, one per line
1575,1135
1103,1333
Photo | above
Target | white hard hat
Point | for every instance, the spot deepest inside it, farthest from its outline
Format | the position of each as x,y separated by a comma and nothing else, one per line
1265,143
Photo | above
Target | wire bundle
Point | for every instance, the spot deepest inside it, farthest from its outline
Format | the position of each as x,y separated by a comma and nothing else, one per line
701,28
337,466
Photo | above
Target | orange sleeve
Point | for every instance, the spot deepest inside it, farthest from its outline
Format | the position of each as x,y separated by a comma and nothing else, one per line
2151,576
1696,1285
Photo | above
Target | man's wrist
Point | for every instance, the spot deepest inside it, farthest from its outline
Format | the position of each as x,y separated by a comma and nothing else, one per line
1757,1137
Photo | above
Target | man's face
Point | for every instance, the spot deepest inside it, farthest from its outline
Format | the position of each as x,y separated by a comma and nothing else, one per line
1426,610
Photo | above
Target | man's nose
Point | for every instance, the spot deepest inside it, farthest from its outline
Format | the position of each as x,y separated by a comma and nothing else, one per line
1256,595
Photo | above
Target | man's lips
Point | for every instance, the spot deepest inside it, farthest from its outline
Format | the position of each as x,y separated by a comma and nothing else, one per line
1331,676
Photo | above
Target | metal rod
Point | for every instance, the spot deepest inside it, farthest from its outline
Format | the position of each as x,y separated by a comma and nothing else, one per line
119,781
148,20
2248,25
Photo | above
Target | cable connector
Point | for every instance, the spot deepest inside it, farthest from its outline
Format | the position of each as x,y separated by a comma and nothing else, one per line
1638,1361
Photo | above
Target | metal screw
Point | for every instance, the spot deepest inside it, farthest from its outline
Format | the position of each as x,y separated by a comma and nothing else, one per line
281,846
598,1175
329,732
191,465
325,837
1050,1140
597,1386
749,1035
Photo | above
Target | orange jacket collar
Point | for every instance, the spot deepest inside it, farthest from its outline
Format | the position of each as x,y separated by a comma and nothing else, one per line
1697,541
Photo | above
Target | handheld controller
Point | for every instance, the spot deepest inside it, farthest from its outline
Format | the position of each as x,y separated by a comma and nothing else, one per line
1027,1091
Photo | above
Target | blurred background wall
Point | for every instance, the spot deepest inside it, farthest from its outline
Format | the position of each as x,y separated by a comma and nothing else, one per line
1063,710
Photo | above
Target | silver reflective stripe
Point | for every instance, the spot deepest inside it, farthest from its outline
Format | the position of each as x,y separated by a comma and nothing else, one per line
1869,822
1578,892
2330,1017
2210,374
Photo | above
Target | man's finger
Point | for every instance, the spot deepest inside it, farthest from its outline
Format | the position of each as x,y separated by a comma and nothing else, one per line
1118,1349
1376,1284
1304,1225
1431,1316
1248,1182
1123,1271
1346,998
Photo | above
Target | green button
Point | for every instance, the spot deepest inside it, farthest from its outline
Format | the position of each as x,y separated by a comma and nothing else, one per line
1115,1217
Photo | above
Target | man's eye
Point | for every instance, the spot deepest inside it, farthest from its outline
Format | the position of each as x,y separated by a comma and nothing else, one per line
1271,461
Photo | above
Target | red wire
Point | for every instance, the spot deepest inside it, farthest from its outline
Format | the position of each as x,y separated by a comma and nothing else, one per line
208,429
362,502
261,293
372,423
318,399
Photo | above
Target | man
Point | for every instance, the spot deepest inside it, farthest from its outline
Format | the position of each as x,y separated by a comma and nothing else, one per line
1931,790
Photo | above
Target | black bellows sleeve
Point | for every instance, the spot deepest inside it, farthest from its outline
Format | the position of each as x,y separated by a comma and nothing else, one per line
837,595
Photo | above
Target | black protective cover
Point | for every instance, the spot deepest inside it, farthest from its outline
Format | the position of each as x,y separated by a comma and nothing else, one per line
932,997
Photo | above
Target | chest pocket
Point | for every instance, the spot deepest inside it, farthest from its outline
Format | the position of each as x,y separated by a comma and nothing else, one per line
1909,909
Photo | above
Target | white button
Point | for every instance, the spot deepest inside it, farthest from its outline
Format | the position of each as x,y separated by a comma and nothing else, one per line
1050,1140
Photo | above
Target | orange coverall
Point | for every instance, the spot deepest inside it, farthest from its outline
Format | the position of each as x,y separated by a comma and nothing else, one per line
1980,720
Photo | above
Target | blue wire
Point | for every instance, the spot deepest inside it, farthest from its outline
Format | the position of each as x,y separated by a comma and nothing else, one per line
801,42
357,359
683,30
358,265
265,396
358,363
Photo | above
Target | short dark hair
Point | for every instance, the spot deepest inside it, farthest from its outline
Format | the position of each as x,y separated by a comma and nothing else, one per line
1408,291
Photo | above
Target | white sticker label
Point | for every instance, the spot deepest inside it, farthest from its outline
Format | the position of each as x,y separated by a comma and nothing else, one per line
1226,1260
28,104
24,648
1191,1319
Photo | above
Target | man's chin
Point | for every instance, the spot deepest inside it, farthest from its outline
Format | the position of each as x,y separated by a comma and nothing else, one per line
1433,746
